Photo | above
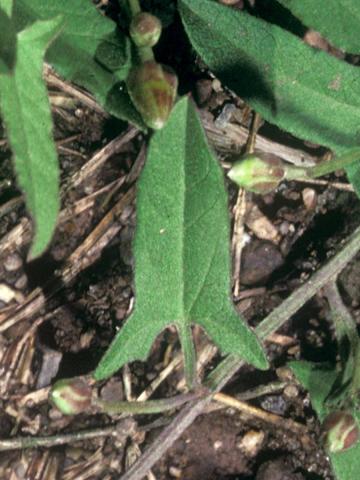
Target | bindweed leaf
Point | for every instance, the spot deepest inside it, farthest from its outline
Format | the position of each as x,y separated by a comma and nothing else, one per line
26,112
338,20
182,260
90,51
303,90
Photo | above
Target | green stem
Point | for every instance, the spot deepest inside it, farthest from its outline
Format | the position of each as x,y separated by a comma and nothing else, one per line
337,163
187,347
134,6
345,325
145,54
355,382
148,407
293,172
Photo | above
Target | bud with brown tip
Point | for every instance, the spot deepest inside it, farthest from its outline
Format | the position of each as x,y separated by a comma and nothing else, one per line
145,29
258,173
152,88
71,396
340,431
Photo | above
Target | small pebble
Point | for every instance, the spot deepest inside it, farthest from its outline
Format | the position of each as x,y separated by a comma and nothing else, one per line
251,442
285,374
7,294
21,282
13,262
274,404
216,85
291,391
203,90
225,115
284,228
175,472
260,259
309,197
218,444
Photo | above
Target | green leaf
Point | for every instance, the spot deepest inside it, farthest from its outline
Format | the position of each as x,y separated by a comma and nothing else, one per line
26,113
302,90
318,381
353,173
182,260
90,51
7,6
337,20
7,44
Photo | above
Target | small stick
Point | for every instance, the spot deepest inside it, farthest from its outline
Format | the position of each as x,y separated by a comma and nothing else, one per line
240,211
54,440
102,155
233,139
252,411
54,81
347,187
238,236
256,392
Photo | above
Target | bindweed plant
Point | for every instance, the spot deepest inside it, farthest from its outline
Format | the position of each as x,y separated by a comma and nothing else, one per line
182,260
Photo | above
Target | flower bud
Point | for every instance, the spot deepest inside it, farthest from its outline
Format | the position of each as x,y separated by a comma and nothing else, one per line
340,431
152,88
71,396
258,173
145,29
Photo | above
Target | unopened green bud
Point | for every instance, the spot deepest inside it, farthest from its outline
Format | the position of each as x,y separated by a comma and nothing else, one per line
152,88
340,431
71,395
258,173
145,29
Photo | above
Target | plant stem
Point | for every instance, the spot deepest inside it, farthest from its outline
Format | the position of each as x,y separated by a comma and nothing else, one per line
355,382
337,163
345,325
293,172
187,346
134,6
54,440
145,54
148,407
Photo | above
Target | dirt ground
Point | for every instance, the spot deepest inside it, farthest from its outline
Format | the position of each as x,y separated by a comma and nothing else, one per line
59,313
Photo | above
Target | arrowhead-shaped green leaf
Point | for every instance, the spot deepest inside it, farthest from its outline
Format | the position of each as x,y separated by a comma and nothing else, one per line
318,382
26,112
337,20
303,90
182,260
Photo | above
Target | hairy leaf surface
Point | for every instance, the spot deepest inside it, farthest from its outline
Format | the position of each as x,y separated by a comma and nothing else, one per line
337,20
182,261
26,112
